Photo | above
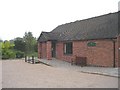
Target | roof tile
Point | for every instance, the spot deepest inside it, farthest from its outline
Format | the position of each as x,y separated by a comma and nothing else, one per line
105,26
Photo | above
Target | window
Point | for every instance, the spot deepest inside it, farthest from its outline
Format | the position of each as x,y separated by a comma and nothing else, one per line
68,48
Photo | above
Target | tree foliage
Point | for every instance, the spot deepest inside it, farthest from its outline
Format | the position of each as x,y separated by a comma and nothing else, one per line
19,44
30,42
0,49
18,47
7,50
7,45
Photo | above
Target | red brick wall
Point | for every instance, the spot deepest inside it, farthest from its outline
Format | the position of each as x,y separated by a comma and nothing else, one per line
49,54
100,55
118,43
60,53
39,50
117,46
42,50
59,50
116,51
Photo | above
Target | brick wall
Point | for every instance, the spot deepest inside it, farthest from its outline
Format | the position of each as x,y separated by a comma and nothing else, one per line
42,50
39,50
117,46
60,53
118,43
48,47
99,55
116,51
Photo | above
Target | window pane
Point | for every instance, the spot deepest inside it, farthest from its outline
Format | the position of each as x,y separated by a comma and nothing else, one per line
68,48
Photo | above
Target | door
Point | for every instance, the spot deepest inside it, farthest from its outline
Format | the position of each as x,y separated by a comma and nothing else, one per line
53,49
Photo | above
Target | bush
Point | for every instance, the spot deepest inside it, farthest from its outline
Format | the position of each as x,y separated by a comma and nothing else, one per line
11,54
19,54
7,54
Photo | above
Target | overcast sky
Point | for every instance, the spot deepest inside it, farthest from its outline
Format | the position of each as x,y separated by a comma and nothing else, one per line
19,16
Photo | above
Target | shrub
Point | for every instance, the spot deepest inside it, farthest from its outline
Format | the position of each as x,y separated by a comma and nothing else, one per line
7,54
11,54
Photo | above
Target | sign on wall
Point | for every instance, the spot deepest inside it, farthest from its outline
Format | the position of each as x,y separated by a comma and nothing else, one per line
91,44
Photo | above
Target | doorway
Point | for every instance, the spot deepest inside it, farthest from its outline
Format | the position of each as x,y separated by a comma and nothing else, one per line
53,49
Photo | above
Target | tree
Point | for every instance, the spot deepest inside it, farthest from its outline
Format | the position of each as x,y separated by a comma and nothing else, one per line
7,45
1,41
36,47
19,44
7,50
30,42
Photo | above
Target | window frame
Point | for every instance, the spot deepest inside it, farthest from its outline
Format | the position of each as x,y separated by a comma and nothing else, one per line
65,51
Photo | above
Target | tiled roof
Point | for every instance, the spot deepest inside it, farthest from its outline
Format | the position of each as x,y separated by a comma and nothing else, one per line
101,27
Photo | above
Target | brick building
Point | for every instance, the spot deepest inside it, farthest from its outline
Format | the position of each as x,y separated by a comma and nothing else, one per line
96,38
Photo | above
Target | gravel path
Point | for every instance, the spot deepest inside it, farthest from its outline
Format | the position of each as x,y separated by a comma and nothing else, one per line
18,74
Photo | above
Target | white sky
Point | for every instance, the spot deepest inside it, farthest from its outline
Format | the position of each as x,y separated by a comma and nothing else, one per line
18,16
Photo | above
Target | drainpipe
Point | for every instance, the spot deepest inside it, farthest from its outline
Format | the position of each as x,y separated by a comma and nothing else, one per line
113,53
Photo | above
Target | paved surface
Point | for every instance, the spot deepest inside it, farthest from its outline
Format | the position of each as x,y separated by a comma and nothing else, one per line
93,70
20,74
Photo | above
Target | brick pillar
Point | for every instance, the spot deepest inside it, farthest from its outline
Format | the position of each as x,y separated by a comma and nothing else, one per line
49,54
118,40
39,50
